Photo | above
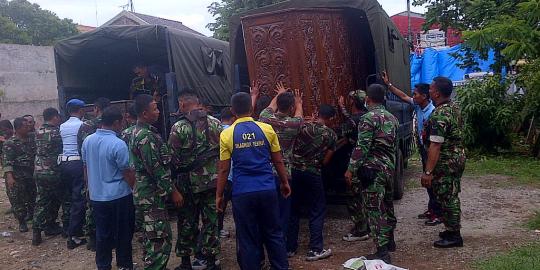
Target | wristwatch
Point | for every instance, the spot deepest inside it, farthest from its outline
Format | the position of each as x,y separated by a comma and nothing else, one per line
390,84
427,172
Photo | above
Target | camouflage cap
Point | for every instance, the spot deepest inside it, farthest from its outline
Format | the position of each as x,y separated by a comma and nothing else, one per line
359,95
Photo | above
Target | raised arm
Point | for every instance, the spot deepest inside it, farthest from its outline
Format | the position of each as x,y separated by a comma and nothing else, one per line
404,97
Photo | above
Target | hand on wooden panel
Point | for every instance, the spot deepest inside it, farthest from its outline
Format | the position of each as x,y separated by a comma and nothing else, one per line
255,90
341,102
297,97
280,88
385,78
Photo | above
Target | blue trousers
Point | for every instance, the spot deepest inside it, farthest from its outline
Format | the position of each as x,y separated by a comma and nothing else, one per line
256,217
115,224
307,193
284,208
72,173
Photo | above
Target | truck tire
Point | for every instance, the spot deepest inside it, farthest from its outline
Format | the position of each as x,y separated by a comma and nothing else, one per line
399,182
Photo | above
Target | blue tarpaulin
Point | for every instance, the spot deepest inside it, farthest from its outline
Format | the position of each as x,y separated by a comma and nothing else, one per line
433,63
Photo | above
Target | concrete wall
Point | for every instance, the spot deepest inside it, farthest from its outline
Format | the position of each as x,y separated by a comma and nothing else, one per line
27,80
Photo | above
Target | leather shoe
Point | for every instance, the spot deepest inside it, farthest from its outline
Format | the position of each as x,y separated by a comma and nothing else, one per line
449,242
381,254
433,221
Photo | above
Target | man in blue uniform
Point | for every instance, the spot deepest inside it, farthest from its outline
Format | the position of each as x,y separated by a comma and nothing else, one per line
253,147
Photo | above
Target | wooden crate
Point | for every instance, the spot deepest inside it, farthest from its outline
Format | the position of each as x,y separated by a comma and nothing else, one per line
307,49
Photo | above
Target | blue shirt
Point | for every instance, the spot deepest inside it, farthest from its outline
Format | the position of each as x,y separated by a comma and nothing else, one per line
422,116
68,131
106,157
249,144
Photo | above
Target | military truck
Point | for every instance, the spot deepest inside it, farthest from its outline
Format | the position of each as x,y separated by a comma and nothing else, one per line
326,49
100,63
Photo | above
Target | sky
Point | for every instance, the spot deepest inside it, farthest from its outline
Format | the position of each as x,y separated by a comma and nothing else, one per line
192,13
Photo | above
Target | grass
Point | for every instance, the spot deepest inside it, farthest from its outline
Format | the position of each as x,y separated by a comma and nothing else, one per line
534,222
526,257
525,170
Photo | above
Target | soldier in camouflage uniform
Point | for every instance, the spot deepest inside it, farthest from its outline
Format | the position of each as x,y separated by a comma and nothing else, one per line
446,160
6,132
18,168
372,164
285,115
194,141
312,150
50,189
151,157
87,128
355,204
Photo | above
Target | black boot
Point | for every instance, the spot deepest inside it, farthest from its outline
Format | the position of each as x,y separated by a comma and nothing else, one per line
22,225
65,227
211,263
391,243
185,265
445,234
36,237
381,254
453,239
91,245
53,230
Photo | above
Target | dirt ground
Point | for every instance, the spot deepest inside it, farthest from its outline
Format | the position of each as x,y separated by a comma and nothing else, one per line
493,213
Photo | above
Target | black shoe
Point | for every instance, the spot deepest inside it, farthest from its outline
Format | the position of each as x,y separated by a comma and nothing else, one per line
23,227
391,243
381,254
445,234
453,239
433,221
91,245
74,242
53,230
36,237
185,265
425,215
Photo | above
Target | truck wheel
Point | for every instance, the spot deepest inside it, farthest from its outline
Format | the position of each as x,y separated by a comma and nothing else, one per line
399,183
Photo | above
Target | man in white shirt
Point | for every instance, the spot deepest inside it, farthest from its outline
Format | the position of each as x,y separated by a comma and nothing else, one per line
72,171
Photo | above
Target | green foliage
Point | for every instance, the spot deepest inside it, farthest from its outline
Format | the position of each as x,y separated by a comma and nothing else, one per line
24,23
534,222
524,170
488,113
527,257
225,9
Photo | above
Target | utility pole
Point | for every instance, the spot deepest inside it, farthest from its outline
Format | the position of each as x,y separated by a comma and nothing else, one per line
129,6
409,31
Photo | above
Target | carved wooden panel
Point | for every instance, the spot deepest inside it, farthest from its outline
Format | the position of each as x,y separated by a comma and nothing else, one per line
308,49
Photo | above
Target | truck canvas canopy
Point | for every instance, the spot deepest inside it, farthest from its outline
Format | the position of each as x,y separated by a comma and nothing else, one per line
100,63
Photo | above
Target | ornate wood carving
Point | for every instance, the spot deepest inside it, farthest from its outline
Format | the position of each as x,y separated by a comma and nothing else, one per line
308,49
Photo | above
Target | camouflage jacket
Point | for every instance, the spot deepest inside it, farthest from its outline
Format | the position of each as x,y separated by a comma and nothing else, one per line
48,148
445,126
349,127
196,153
147,85
286,128
376,144
150,158
18,157
311,146
125,135
87,128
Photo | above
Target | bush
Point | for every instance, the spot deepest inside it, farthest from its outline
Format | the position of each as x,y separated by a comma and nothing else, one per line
489,113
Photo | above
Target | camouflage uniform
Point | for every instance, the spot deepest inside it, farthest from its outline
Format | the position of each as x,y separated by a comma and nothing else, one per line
195,157
375,153
355,204
444,126
87,128
311,145
125,135
18,158
286,128
51,192
151,157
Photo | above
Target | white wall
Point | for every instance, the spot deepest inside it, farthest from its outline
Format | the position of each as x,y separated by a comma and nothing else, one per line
27,80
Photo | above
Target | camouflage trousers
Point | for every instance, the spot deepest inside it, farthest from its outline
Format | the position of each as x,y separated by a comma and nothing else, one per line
22,197
357,209
51,194
378,198
89,224
192,239
157,235
446,189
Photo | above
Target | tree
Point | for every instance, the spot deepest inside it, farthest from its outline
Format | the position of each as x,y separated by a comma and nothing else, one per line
225,9
24,23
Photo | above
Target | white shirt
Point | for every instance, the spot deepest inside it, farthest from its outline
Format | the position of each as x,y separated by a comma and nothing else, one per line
69,131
